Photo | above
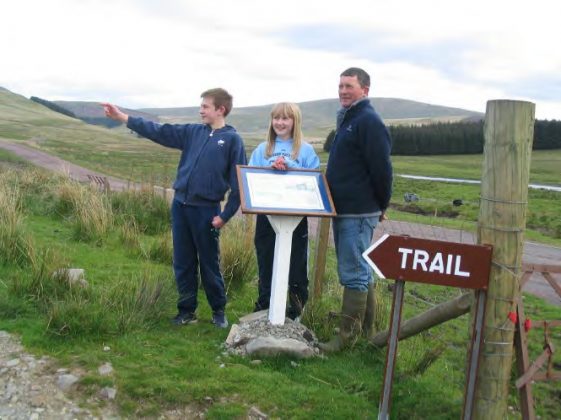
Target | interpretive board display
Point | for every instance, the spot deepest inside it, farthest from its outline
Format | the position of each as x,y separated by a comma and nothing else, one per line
301,192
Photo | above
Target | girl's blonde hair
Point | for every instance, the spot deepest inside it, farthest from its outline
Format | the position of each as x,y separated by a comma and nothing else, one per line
289,110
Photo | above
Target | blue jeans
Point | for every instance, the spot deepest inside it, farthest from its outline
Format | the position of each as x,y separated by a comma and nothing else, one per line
196,247
353,235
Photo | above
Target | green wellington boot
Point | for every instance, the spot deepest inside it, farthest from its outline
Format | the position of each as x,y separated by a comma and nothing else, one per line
352,315
368,322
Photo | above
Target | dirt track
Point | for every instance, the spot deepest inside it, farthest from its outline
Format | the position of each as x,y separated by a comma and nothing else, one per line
57,164
534,253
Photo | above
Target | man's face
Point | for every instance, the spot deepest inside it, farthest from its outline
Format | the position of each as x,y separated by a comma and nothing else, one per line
350,91
209,113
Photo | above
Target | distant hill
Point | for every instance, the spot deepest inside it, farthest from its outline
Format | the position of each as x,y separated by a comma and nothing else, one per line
38,125
252,122
319,116
92,112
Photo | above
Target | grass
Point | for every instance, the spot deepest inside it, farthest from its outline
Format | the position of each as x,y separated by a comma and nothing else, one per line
544,168
131,290
435,199
130,298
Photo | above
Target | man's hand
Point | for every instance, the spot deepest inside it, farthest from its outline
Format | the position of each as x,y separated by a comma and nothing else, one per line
279,164
217,222
383,217
111,111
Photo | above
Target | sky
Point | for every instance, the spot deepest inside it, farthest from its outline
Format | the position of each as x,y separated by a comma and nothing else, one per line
164,53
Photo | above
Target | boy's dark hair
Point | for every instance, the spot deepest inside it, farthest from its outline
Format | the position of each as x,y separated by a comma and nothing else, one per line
220,97
362,77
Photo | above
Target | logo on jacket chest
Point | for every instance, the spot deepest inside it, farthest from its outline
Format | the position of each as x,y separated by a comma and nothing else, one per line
220,143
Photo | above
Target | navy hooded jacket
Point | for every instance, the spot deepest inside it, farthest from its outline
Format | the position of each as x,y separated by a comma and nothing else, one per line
359,170
207,167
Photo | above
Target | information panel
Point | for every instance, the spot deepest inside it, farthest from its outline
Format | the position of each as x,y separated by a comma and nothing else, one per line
292,192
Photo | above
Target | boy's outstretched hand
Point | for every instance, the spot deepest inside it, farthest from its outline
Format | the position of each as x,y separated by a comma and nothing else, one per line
111,111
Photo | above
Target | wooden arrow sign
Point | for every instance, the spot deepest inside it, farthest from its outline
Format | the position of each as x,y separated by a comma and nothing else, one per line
427,261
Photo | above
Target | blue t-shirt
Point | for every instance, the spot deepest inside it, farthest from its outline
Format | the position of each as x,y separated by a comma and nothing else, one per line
306,159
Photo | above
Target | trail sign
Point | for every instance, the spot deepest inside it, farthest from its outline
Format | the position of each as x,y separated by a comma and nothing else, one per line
404,258
453,264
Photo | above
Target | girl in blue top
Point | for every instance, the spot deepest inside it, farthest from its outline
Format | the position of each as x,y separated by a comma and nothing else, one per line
284,149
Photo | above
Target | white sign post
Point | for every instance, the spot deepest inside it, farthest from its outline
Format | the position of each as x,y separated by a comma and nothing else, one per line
283,226
285,197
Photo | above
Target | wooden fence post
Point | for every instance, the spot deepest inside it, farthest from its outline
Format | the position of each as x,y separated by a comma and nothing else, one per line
320,256
249,228
508,133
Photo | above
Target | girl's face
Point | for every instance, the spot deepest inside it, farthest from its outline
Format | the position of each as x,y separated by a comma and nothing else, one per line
283,126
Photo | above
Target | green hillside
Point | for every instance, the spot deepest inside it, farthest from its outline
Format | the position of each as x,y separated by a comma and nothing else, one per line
115,152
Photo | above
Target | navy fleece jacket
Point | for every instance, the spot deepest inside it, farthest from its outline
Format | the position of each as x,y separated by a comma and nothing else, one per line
359,170
207,167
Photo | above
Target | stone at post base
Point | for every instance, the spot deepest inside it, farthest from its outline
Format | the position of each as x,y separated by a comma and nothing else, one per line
271,346
256,336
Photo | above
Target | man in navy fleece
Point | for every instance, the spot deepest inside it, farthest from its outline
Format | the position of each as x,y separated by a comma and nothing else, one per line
206,171
359,174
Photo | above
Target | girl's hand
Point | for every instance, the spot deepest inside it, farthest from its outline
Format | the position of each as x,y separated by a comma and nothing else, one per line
279,164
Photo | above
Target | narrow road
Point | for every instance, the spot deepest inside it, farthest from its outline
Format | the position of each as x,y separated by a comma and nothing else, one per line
534,253
59,165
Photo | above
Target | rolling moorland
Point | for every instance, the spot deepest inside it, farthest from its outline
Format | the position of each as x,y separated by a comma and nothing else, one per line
120,153
318,116
157,367
117,150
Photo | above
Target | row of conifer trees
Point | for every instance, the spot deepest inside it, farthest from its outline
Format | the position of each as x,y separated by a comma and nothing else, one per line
457,138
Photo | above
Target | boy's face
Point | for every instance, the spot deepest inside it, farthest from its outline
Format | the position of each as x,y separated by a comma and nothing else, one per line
209,113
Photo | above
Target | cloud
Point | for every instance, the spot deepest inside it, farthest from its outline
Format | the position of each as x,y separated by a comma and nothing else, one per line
155,54
443,55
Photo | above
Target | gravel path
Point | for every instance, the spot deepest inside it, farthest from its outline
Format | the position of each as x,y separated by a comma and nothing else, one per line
33,388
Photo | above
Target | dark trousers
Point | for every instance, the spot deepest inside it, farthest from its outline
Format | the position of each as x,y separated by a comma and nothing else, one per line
196,247
298,274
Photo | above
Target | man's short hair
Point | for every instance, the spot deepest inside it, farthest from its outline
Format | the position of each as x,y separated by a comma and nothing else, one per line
362,77
220,97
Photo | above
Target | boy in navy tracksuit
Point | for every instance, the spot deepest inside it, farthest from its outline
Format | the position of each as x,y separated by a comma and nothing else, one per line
206,171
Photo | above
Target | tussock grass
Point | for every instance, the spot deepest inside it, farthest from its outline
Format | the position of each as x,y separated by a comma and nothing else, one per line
45,281
139,301
161,249
148,211
237,253
79,318
67,195
132,303
16,245
383,299
130,235
38,190
87,209
317,316
93,216
430,354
